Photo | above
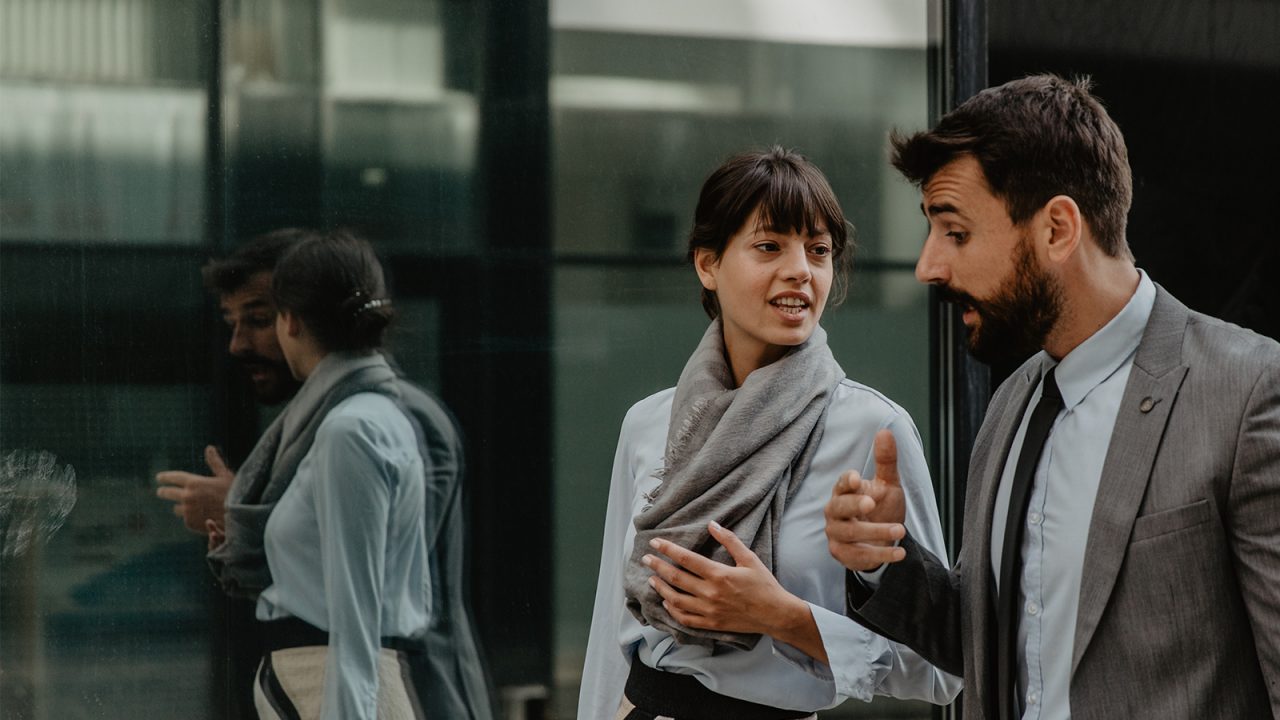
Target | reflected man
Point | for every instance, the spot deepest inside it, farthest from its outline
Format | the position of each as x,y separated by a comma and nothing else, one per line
1120,552
450,676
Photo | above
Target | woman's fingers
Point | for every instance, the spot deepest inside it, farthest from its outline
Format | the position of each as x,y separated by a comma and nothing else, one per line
673,575
686,609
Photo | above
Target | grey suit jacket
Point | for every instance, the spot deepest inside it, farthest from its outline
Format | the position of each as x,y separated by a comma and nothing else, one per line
450,677
1179,613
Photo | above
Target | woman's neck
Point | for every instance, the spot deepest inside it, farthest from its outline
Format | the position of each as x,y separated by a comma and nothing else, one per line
744,361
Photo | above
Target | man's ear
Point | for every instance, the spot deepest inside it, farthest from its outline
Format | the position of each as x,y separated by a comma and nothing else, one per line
1065,227
706,263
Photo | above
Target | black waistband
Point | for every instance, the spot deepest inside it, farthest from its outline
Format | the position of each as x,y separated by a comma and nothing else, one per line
684,698
292,632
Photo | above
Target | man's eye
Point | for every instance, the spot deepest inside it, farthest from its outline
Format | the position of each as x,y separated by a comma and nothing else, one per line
767,246
261,321
820,250
959,236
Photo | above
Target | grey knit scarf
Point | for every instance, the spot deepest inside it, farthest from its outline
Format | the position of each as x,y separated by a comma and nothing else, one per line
240,563
736,456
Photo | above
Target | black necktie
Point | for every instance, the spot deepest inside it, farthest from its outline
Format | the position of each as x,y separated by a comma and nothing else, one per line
1008,608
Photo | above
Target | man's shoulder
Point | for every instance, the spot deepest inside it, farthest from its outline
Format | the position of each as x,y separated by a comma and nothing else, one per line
1210,339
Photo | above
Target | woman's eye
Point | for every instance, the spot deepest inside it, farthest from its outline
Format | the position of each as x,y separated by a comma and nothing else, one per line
767,246
959,236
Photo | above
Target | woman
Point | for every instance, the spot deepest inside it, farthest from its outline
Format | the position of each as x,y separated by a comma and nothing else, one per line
345,544
752,438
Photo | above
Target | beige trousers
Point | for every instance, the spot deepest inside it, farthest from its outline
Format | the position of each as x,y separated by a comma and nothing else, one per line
300,674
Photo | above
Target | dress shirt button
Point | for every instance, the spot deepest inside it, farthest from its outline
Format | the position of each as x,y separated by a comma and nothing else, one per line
1034,518
1033,609
1033,697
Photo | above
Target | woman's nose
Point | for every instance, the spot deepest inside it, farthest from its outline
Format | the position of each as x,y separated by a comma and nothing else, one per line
796,264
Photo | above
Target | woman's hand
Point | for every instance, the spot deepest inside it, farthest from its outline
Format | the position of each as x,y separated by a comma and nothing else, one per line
702,593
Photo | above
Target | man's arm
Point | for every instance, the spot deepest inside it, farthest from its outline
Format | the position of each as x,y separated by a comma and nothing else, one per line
916,602
1254,502
916,599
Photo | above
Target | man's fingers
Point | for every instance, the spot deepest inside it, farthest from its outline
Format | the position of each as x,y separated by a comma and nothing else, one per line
849,507
849,482
214,460
740,553
858,556
174,477
172,494
866,532
886,452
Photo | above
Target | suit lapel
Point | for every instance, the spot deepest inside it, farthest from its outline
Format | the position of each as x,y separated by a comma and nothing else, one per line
1149,395
986,474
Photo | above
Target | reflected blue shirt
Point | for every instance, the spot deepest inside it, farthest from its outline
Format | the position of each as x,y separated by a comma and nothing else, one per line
347,546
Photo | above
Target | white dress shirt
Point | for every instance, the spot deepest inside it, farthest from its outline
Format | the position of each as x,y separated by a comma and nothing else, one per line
347,547
1092,379
861,663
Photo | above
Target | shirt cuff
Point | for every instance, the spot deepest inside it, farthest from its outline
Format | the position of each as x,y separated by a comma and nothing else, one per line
859,659
870,579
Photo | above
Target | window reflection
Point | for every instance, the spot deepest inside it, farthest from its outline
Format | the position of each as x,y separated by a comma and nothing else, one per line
140,137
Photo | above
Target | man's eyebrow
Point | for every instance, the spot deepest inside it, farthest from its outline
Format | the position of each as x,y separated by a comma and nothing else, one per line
939,208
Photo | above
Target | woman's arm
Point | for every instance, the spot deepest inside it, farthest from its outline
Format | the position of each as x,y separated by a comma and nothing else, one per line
353,495
604,673
703,593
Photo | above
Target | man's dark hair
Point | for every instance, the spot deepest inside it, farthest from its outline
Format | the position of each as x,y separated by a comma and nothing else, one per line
256,255
793,196
1035,138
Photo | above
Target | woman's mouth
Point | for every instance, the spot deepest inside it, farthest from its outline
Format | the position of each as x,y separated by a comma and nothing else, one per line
790,305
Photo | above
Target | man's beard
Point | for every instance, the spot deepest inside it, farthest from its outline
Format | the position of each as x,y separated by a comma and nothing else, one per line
279,384
1015,322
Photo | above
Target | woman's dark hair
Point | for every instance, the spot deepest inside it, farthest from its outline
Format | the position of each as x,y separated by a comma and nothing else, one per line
334,283
793,196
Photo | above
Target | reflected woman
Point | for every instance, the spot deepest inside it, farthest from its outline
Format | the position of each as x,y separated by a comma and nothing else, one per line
717,597
346,544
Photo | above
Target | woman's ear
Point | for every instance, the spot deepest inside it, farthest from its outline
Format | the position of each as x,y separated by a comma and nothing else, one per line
289,323
1066,227
706,264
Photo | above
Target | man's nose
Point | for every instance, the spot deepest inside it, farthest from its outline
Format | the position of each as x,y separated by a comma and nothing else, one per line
931,268
240,344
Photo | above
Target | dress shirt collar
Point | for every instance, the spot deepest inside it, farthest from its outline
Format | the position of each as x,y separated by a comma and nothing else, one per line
1107,350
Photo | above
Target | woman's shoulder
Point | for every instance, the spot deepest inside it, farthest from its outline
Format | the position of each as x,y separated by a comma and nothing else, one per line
652,410
856,403
371,416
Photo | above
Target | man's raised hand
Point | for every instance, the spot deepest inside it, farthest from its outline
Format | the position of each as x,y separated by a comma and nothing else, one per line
198,498
865,517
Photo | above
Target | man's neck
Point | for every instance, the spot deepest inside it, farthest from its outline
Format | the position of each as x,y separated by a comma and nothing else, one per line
1093,296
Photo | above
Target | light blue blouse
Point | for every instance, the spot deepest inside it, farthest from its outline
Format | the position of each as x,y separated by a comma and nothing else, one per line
862,664
347,548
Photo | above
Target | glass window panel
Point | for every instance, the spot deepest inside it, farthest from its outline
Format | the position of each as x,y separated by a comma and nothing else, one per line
646,101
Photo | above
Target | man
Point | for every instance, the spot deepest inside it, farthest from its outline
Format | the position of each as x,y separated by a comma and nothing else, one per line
1121,554
243,285
449,676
